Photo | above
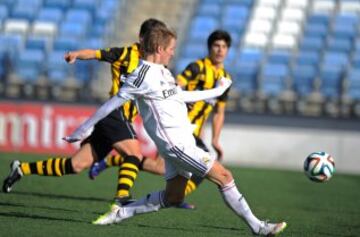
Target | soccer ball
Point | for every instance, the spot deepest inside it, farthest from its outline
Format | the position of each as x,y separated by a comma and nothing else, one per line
319,166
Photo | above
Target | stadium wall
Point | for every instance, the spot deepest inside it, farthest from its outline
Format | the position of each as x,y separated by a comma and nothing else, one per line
38,128
286,147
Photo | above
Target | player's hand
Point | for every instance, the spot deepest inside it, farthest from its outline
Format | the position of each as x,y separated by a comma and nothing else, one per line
70,57
219,151
71,139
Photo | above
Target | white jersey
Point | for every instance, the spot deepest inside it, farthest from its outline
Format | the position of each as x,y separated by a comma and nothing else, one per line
162,107
160,104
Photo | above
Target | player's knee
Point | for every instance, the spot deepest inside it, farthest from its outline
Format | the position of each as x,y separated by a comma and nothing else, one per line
79,166
227,177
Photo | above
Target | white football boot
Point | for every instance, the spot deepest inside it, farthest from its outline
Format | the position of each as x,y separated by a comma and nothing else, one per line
111,217
271,229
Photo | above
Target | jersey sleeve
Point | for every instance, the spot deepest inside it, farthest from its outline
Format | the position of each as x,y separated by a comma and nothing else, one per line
110,55
189,74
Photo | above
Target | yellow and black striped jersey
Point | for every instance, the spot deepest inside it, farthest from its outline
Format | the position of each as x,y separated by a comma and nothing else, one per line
202,75
123,61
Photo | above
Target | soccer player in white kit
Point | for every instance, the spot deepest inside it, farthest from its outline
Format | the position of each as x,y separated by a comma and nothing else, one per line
162,107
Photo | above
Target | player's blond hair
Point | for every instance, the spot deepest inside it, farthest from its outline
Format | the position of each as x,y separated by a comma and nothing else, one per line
157,37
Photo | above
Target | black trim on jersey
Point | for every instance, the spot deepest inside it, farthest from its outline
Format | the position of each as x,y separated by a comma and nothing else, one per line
141,76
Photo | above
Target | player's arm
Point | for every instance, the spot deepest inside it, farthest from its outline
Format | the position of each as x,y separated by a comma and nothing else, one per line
193,96
109,55
83,54
110,105
218,122
189,74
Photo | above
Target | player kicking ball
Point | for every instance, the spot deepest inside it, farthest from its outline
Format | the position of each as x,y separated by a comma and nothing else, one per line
162,106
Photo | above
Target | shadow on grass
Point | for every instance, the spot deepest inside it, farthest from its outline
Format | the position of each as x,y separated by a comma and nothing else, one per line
58,196
192,230
38,217
8,204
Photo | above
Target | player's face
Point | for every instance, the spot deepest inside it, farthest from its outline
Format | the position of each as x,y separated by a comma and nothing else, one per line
218,51
168,52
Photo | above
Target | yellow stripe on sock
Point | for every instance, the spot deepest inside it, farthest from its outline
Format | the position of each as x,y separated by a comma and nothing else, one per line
129,165
48,167
25,168
117,160
126,181
128,172
57,167
122,193
63,161
39,167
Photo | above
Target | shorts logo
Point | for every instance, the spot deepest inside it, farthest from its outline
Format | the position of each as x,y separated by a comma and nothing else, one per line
206,160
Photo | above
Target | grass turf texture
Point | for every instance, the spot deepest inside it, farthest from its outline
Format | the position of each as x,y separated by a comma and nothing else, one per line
51,206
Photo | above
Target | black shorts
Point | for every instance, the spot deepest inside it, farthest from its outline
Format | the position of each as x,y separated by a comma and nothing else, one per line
201,144
108,131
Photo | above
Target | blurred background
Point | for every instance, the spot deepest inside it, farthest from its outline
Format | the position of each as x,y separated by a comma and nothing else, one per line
295,66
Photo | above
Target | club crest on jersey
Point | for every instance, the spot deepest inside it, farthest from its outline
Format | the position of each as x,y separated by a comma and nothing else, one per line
205,160
170,92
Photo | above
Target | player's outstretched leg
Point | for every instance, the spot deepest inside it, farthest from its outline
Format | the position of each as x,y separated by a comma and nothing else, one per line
237,202
14,176
51,167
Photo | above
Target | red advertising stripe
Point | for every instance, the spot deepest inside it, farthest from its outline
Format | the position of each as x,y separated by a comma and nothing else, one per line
39,127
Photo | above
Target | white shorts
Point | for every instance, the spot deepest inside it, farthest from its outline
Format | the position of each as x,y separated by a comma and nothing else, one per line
186,160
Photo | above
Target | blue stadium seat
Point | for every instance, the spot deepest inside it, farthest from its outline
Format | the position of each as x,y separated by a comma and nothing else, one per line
313,43
273,79
29,65
339,45
279,57
319,18
12,45
3,64
353,81
331,81
73,29
66,44
79,16
307,57
303,79
30,3
40,43
194,50
235,17
245,77
201,27
316,30
356,60
337,59
4,12
57,68
249,55
51,14
63,4
26,12
89,5
342,31
209,9
93,43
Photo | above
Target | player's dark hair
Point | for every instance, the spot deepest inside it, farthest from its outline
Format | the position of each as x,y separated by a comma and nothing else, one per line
150,24
219,35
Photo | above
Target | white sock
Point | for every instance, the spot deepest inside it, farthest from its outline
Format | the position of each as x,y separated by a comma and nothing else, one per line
236,201
150,203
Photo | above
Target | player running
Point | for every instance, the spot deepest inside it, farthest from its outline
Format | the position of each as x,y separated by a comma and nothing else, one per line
115,131
162,106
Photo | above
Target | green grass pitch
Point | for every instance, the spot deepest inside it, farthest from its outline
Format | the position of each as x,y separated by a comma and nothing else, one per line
51,206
